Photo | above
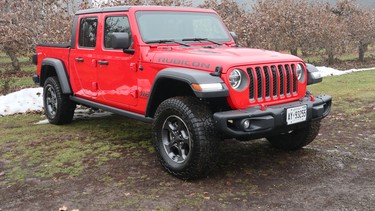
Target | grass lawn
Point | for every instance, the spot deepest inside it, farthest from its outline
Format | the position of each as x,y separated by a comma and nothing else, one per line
50,151
352,93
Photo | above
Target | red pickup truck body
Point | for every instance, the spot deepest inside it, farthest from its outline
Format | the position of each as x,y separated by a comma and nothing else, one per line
248,91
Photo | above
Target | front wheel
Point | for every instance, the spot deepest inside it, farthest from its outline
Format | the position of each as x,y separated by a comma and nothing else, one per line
185,137
59,109
297,138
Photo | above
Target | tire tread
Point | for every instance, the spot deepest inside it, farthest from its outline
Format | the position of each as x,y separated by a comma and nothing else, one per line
204,157
66,107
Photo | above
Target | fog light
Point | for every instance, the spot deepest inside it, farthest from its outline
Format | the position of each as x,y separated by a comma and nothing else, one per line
246,124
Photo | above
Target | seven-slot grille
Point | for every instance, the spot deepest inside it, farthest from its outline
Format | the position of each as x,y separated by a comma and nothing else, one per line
272,81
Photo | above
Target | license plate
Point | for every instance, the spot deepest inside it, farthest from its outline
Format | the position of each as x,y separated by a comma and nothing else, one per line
296,115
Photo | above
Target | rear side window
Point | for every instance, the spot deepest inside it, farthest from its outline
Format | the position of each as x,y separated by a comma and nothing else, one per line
115,24
88,32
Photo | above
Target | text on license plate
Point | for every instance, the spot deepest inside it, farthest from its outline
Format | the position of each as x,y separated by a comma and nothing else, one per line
296,114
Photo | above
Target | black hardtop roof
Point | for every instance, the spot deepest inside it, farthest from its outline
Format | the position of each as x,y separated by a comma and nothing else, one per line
126,8
104,9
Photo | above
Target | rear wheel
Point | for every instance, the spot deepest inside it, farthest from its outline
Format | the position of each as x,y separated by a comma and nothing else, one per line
185,137
296,139
59,109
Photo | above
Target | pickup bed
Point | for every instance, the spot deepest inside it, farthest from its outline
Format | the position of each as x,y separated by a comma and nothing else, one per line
181,70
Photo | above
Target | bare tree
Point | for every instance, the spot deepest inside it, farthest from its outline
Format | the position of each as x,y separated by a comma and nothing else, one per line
26,23
360,24
111,3
298,24
170,3
331,32
235,17
283,24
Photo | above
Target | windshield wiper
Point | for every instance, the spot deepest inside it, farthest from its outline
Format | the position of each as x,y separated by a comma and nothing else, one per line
167,41
201,39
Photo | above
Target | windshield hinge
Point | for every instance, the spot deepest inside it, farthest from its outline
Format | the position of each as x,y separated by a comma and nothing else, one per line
217,72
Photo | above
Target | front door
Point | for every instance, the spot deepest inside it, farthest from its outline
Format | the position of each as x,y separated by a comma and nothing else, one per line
117,82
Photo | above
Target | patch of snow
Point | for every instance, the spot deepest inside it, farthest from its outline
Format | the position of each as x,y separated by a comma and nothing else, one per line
42,122
328,71
90,113
82,114
25,100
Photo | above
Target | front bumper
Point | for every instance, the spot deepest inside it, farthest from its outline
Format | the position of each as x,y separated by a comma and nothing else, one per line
271,119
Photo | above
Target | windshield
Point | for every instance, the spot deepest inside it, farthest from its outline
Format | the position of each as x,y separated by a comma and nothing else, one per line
191,26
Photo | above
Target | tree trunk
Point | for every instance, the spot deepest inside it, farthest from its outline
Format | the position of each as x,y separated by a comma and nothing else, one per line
15,63
305,53
362,48
294,51
331,57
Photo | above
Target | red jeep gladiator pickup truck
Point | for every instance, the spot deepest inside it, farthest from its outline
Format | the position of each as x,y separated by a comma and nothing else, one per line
181,70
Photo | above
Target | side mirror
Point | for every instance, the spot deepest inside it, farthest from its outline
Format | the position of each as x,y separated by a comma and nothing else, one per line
234,36
121,40
313,75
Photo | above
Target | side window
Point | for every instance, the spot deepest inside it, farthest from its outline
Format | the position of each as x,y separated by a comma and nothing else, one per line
115,24
87,32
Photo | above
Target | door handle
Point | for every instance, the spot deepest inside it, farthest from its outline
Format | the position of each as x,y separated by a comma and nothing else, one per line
79,59
103,62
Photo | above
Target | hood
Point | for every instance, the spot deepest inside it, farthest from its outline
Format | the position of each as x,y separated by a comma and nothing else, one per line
209,58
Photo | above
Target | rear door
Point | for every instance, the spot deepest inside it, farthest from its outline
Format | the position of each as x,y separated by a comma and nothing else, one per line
83,58
116,70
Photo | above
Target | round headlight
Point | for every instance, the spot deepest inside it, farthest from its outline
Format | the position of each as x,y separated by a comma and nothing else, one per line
300,72
235,78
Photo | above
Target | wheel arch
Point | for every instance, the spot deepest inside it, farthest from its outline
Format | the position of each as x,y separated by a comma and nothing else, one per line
55,67
162,91
172,82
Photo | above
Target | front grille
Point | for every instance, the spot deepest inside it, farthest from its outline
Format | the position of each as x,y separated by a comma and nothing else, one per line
272,82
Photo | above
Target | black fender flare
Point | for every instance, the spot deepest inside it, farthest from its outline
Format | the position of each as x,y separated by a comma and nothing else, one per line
188,76
60,69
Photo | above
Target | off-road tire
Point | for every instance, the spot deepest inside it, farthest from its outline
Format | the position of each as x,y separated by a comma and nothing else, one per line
59,109
191,119
296,139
